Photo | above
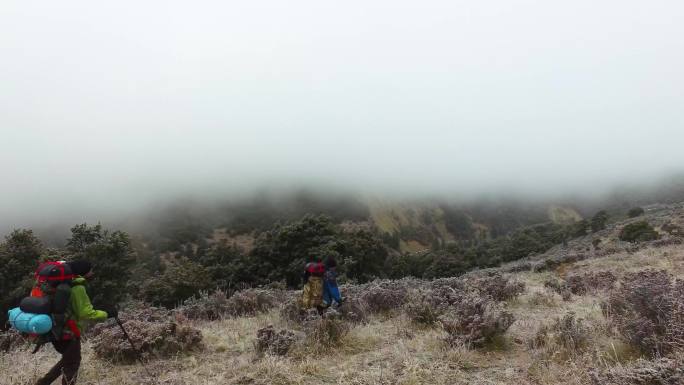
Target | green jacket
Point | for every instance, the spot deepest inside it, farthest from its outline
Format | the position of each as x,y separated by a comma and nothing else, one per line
81,308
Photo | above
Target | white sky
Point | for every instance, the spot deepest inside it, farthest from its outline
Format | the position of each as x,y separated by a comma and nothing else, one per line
105,105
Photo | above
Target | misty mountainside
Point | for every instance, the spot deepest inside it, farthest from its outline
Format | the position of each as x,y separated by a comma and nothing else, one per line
405,225
602,308
191,254
187,248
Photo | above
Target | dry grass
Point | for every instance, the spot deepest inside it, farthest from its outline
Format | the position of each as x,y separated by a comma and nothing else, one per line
669,258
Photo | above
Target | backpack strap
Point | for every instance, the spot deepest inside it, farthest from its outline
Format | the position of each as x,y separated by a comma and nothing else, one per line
71,330
60,304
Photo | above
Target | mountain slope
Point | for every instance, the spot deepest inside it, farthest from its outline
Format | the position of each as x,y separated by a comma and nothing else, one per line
555,338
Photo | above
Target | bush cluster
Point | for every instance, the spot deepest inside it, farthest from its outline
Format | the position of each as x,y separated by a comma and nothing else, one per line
635,212
139,311
566,336
252,301
180,279
468,309
383,299
19,256
497,286
638,232
672,229
207,306
580,284
274,342
323,332
661,371
152,339
599,221
476,321
423,307
216,305
382,295
557,260
648,309
354,310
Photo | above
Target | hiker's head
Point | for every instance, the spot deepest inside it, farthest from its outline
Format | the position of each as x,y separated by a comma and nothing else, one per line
318,259
331,262
82,268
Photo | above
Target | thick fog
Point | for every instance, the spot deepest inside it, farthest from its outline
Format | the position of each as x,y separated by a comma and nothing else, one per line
107,107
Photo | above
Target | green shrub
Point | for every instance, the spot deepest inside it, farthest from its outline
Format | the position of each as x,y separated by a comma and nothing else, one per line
407,265
226,264
368,255
458,223
19,256
281,252
446,264
179,280
638,232
599,221
579,228
635,212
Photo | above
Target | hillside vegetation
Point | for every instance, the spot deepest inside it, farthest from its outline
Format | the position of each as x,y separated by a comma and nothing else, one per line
404,225
595,310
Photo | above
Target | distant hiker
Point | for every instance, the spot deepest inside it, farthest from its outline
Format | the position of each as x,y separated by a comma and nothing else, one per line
79,311
330,290
312,294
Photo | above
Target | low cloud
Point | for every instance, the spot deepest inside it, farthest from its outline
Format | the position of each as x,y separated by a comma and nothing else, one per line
106,112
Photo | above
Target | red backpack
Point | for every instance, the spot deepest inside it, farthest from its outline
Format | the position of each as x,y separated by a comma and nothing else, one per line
49,275
51,295
315,268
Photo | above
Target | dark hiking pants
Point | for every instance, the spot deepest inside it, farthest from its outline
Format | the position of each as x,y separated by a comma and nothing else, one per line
67,367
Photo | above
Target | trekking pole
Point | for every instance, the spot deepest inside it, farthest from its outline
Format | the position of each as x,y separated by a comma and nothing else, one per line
138,355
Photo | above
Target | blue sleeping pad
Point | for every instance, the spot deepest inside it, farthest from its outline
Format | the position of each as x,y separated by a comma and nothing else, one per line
29,322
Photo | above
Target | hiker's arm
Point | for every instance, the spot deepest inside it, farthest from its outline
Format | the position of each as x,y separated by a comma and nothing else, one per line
82,306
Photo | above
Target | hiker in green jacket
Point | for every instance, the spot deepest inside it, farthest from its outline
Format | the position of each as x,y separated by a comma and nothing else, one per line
80,311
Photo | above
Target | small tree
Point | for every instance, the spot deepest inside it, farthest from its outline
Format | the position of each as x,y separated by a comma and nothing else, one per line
226,263
638,232
112,257
407,265
19,255
599,220
446,264
179,280
368,252
392,239
635,212
579,228
282,251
